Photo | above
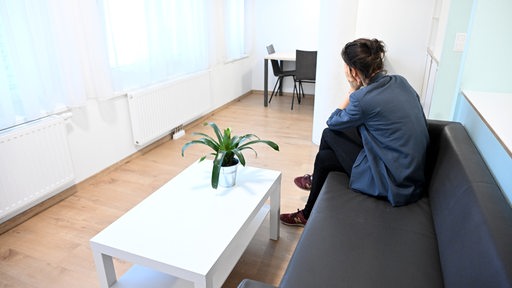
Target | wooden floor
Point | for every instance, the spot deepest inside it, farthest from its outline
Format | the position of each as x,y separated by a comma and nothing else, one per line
52,248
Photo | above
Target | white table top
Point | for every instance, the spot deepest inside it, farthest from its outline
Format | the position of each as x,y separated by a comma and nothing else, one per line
494,109
283,56
186,224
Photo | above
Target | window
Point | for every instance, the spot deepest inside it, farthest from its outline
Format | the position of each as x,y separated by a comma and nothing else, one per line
40,62
234,29
56,54
151,41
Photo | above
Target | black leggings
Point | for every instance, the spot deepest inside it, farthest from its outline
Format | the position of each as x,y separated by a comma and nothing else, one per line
337,152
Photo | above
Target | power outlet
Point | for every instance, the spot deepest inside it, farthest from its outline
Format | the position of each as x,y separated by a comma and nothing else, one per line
177,132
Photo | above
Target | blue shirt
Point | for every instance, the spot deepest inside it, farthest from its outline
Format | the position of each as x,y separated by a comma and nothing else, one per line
394,133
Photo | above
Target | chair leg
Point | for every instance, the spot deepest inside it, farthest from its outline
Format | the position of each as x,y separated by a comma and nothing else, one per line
295,90
298,94
301,92
279,79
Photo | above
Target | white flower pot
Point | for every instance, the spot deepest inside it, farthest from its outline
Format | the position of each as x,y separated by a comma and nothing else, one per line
227,177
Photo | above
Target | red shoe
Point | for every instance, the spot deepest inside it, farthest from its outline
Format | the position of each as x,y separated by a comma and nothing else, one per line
294,219
304,182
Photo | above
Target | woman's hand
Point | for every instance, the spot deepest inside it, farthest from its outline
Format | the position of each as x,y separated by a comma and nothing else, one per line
355,83
353,78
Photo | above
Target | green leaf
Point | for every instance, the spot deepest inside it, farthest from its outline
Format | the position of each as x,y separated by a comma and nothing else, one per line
204,135
186,145
216,130
226,140
215,176
272,144
226,147
240,157
217,164
204,141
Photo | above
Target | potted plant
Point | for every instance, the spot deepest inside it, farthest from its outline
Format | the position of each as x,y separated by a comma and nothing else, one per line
227,150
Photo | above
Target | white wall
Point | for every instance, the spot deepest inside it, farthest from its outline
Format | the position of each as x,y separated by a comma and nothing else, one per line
100,133
485,69
487,60
403,25
288,25
330,82
446,89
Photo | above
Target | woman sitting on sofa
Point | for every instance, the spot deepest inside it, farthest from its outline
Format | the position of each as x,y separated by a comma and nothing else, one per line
377,136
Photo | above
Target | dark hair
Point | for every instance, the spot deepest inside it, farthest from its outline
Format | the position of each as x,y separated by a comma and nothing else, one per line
365,55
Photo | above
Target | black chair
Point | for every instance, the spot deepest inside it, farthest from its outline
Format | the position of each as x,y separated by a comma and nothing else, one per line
305,71
279,73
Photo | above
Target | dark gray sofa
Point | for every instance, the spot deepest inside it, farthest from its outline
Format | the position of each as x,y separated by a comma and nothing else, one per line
458,235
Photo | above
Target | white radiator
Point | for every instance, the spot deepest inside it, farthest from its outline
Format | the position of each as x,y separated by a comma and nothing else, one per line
156,110
34,164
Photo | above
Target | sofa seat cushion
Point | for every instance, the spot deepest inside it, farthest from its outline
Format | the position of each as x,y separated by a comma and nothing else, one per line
352,240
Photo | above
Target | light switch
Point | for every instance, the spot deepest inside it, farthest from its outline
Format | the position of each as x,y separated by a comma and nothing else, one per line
460,42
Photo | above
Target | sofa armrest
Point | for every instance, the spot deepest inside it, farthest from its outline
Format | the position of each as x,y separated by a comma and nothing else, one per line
472,218
247,283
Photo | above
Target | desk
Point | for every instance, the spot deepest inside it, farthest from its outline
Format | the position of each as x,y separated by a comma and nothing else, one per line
187,234
281,56
493,108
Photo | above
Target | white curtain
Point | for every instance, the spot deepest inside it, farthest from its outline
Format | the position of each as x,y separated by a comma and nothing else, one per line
151,41
45,61
55,54
234,29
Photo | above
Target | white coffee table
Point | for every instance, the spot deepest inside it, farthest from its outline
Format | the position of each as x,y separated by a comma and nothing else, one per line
187,234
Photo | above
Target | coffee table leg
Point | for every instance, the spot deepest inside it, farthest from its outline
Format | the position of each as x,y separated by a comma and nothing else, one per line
275,208
105,269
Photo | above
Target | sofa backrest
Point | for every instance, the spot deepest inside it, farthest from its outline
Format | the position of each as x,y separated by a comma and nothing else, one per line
472,218
435,130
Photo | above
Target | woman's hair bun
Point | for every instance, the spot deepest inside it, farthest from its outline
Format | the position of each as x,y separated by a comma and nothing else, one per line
365,55
377,47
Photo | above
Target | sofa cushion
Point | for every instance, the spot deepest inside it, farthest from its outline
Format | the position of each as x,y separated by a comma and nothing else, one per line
354,240
473,220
